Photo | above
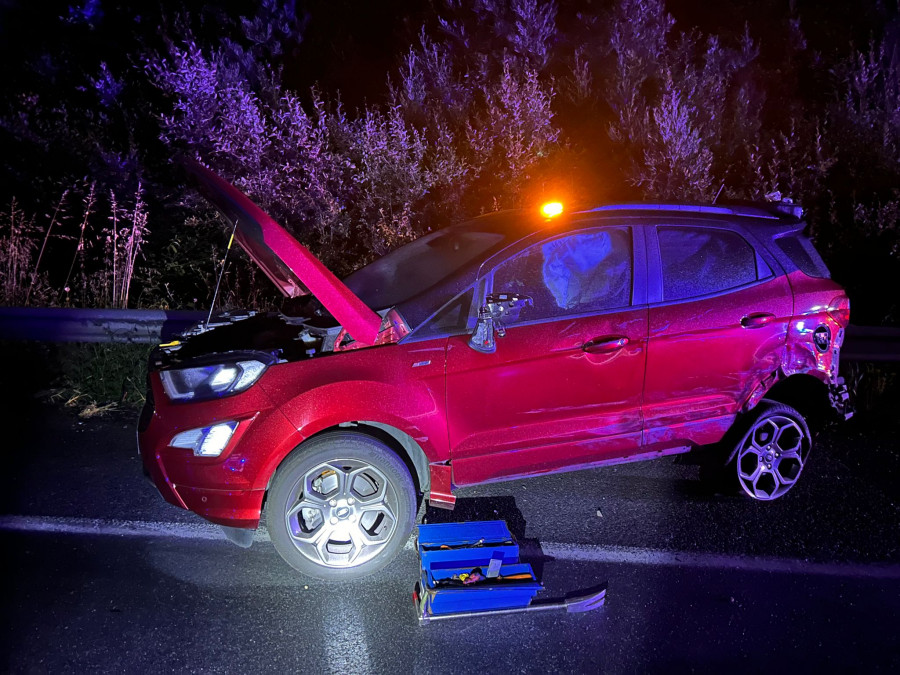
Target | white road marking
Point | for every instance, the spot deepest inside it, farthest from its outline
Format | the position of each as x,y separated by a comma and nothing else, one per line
574,552
648,556
118,528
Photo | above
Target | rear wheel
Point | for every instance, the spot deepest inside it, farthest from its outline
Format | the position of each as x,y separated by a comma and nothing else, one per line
341,506
767,450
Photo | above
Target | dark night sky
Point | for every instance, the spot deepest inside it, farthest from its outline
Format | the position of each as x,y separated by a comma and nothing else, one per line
352,45
347,45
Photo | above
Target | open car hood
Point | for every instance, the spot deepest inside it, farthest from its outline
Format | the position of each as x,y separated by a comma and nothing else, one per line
289,264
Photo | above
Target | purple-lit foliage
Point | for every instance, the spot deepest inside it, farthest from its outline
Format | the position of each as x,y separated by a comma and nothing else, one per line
363,182
18,249
676,98
481,97
871,96
328,177
493,105
124,239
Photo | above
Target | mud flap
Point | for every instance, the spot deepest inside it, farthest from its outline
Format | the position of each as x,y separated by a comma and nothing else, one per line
441,494
239,536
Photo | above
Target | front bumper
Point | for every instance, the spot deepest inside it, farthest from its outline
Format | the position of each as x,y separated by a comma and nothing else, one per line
226,490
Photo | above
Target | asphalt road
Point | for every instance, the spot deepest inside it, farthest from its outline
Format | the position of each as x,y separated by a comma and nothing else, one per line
102,575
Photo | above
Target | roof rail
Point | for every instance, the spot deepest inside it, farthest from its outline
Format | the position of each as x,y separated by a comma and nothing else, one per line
773,211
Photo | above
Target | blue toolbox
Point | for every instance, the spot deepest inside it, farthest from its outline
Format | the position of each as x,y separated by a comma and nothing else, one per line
466,544
473,568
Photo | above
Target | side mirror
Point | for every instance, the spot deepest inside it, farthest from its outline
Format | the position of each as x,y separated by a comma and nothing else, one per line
497,309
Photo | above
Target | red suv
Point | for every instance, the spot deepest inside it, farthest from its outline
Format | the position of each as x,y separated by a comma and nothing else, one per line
510,345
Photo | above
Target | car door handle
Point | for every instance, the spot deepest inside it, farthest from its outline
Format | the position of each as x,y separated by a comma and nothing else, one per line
757,320
604,345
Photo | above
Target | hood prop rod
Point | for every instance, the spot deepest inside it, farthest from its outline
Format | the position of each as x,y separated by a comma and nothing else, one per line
221,273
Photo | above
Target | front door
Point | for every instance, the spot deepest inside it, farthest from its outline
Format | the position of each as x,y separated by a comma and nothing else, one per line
563,388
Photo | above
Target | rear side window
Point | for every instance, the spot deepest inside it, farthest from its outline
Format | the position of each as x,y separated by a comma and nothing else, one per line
801,252
574,274
700,261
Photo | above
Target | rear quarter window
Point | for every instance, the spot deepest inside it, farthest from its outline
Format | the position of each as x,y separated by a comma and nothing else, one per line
802,253
700,261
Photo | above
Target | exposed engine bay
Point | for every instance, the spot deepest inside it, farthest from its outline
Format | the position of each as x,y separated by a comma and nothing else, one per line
285,338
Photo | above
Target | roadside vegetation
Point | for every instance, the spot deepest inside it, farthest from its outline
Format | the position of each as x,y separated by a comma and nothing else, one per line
97,378
490,105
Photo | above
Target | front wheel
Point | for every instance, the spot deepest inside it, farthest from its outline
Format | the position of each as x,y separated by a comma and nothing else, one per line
341,506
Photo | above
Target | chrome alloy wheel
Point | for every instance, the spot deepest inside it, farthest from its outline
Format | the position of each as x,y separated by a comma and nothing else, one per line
342,513
772,456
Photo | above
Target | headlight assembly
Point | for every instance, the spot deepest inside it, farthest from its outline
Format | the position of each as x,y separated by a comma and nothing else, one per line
213,381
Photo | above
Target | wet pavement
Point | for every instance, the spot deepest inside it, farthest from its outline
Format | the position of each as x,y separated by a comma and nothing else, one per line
696,582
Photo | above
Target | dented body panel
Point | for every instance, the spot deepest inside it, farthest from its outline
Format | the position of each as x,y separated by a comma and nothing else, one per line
540,403
703,362
812,300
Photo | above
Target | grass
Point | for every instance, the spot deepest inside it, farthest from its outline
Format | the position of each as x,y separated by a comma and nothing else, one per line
874,387
98,378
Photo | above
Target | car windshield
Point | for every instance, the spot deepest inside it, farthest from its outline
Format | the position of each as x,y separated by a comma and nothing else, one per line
414,268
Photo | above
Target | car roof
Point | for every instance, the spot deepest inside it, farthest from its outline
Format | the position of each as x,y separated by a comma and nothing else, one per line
524,221
767,218
781,211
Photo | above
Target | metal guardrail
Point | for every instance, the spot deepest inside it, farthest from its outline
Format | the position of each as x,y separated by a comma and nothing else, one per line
871,343
52,324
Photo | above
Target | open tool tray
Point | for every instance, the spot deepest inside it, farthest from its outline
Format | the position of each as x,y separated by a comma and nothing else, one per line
466,544
483,596
449,550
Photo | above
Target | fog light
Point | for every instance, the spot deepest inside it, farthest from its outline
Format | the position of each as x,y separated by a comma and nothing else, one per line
206,441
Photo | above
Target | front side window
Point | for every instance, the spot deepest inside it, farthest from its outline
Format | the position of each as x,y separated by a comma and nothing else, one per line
699,261
574,274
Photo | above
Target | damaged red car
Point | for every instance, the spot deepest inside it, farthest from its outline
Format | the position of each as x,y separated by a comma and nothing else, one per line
507,346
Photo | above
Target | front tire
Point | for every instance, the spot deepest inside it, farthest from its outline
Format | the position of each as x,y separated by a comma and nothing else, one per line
341,506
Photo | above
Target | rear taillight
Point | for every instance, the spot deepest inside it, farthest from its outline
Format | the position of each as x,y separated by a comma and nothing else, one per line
839,310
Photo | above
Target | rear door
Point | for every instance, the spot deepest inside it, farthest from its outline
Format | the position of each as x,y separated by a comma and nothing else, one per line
563,387
719,315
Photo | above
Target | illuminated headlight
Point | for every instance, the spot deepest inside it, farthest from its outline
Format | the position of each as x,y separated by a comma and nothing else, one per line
207,441
188,384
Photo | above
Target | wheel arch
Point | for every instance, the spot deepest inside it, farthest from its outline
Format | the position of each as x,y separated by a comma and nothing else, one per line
400,442
804,392
404,445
